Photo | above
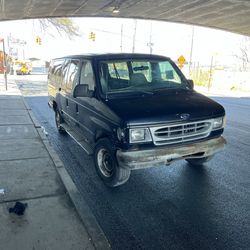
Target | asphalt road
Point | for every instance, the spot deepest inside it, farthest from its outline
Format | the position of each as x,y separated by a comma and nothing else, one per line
171,207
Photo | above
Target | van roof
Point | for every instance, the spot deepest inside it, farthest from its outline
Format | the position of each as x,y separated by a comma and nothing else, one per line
107,56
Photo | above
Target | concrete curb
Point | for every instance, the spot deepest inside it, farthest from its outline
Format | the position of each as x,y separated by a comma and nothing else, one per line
98,237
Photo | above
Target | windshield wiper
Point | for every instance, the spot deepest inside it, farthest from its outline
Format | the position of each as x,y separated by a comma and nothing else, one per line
144,91
130,90
167,88
137,89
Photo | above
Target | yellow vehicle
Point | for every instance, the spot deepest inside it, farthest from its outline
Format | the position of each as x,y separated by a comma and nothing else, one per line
22,68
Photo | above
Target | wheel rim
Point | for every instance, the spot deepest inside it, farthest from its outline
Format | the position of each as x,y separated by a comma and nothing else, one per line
105,162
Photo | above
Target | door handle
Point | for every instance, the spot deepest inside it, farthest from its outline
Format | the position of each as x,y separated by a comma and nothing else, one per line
77,109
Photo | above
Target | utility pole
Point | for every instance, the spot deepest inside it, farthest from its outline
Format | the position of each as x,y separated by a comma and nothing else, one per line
4,64
211,73
191,51
121,37
133,49
150,44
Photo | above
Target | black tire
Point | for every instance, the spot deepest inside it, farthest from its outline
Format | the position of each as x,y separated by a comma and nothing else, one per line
59,121
107,166
198,161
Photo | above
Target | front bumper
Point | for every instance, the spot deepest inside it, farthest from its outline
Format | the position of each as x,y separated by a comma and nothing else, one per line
164,156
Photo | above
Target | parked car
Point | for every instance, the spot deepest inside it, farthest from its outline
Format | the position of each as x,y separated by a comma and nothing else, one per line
148,116
22,68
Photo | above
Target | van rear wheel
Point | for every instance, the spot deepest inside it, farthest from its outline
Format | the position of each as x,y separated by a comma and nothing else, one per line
59,121
199,161
107,166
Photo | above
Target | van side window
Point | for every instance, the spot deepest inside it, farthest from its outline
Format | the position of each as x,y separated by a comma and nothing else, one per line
64,74
72,76
87,75
56,71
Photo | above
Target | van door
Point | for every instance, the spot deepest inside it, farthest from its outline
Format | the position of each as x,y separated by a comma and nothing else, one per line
70,79
61,88
86,105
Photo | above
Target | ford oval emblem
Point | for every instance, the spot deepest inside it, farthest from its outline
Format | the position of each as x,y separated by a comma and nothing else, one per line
184,116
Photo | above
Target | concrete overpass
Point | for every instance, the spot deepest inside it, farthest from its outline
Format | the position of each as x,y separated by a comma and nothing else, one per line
230,15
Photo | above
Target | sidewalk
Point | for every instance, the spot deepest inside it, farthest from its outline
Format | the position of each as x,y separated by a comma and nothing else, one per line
32,173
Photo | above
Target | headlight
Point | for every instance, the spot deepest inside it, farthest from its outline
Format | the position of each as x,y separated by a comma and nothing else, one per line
219,122
139,135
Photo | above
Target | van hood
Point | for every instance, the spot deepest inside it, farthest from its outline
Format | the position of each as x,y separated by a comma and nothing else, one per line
164,107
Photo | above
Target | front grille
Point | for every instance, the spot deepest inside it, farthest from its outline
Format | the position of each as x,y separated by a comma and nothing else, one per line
179,133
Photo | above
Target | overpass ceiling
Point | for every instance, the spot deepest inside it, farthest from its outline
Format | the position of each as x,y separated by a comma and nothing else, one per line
230,15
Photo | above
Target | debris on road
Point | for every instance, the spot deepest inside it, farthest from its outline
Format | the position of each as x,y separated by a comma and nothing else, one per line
19,208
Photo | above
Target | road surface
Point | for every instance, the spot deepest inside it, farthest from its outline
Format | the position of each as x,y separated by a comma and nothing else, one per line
170,207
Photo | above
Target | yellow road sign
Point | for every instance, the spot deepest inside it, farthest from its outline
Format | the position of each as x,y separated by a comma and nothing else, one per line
181,60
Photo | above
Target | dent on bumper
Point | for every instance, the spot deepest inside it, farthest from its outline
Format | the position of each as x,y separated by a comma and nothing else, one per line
163,156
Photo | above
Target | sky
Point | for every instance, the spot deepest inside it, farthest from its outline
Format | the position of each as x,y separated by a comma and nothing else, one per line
169,39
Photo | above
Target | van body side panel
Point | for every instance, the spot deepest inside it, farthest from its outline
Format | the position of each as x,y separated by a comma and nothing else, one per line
94,116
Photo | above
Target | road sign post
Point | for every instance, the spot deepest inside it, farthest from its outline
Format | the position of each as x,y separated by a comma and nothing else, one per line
181,60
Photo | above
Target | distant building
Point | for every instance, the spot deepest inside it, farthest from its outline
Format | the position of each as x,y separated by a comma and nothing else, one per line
39,66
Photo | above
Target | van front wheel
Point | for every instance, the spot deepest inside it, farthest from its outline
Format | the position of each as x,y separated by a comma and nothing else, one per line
106,164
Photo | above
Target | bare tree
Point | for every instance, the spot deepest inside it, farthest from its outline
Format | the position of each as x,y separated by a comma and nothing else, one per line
244,54
64,26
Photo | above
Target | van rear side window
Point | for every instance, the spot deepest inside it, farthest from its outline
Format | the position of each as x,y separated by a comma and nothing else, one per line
73,75
56,71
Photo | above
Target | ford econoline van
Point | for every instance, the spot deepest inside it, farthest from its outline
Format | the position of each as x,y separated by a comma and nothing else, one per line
133,111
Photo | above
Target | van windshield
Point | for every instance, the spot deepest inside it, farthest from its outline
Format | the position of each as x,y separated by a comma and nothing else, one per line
147,76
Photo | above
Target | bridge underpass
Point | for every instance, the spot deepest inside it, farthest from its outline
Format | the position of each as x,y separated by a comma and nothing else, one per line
179,208
230,15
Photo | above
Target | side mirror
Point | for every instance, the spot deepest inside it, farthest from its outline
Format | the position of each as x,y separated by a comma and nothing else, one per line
191,83
82,90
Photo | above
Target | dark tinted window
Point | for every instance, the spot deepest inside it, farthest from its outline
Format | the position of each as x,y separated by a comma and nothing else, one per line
64,73
72,75
55,74
87,75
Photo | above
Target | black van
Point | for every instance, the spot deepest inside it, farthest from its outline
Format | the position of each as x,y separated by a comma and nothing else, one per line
133,111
